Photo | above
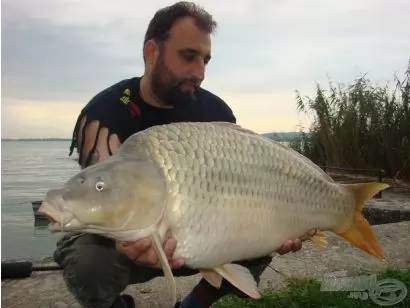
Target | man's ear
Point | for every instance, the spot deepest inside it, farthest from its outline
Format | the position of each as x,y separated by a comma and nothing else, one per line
151,50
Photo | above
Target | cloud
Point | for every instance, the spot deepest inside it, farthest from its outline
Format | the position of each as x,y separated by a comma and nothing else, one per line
57,53
46,59
49,119
293,45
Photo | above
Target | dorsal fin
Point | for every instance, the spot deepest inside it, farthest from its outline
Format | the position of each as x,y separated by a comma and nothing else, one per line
289,149
235,126
307,160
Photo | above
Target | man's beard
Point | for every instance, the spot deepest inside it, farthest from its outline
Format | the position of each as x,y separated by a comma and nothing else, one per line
168,88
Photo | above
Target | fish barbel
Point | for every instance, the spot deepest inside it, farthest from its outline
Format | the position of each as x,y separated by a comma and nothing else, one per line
225,193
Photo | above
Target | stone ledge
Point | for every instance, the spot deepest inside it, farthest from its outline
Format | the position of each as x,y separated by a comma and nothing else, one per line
378,216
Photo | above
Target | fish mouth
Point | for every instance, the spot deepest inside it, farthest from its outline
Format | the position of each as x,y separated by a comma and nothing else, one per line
59,220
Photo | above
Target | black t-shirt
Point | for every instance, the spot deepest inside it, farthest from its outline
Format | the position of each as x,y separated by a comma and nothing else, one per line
121,109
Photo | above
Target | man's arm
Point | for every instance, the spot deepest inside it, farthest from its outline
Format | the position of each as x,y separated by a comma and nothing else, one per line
94,144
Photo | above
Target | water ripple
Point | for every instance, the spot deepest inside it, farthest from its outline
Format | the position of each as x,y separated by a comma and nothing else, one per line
29,169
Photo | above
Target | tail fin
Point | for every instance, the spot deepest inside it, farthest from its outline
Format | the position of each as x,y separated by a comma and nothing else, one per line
360,233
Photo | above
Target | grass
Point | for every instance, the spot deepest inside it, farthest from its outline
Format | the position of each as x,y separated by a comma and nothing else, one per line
306,293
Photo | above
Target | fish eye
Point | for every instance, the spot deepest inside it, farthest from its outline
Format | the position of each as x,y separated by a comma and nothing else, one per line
99,186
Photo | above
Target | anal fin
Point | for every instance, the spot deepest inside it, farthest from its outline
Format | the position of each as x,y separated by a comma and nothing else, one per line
319,240
317,237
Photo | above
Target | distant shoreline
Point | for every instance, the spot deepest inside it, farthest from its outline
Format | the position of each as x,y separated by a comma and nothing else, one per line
282,136
36,139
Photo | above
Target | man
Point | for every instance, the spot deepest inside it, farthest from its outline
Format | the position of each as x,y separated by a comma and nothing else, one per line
176,49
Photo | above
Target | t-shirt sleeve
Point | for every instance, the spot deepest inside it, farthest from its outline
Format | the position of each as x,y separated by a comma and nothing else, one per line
222,111
103,111
215,108
227,112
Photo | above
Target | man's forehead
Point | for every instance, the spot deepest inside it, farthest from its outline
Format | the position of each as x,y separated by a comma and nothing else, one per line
185,34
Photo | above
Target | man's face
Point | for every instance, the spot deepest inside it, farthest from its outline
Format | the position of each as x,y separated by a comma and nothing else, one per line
180,67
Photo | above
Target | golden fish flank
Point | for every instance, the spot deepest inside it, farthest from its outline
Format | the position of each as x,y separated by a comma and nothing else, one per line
229,194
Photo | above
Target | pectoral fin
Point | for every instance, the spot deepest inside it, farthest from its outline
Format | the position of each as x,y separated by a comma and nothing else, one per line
237,275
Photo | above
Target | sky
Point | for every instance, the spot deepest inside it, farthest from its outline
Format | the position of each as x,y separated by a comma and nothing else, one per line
57,54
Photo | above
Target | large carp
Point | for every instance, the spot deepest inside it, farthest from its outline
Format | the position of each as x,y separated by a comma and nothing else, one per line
225,193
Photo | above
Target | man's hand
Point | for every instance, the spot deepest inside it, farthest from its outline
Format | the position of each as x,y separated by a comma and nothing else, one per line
290,245
141,251
295,244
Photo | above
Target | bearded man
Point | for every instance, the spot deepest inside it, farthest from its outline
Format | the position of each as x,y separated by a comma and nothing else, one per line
176,51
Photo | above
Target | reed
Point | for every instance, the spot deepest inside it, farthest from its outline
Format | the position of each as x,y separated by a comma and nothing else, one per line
360,125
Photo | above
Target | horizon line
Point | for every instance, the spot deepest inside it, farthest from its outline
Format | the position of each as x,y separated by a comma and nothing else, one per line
69,138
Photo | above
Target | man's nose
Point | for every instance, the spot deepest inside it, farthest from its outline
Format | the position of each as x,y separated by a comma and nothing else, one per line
198,70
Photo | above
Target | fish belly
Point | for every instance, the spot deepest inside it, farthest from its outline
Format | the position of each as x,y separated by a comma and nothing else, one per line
238,195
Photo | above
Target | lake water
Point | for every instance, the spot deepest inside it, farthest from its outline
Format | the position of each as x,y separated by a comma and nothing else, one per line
28,170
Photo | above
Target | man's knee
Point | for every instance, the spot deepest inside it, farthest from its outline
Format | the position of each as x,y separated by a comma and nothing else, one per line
93,270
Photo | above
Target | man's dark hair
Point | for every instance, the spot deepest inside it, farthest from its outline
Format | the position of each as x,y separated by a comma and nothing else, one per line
164,19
